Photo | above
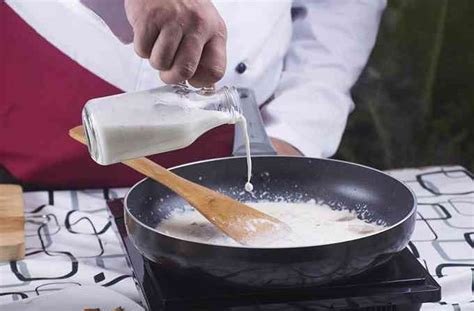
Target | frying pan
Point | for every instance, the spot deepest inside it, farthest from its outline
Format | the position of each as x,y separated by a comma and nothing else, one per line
373,195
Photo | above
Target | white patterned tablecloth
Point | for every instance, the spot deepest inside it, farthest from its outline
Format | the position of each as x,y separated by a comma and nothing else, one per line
70,241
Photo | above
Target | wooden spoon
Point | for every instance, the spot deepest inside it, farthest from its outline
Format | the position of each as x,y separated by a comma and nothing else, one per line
240,222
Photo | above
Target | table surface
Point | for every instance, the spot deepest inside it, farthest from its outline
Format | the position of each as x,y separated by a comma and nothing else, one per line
70,241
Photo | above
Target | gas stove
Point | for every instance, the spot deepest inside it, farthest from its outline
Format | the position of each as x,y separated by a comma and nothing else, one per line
400,284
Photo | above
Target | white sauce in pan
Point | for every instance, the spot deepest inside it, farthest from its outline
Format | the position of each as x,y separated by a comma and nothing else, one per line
311,224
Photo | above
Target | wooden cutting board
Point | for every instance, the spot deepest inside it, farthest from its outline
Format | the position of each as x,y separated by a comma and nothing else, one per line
12,223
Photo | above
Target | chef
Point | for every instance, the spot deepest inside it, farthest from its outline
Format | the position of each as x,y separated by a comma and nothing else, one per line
300,57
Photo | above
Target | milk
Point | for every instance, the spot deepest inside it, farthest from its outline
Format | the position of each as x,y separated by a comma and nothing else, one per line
311,224
134,125
148,130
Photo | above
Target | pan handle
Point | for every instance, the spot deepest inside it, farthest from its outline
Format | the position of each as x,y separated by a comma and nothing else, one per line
260,143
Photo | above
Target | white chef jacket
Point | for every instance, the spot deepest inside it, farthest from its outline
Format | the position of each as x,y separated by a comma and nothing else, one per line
308,62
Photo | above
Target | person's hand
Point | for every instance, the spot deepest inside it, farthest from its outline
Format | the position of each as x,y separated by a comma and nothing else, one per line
184,39
284,148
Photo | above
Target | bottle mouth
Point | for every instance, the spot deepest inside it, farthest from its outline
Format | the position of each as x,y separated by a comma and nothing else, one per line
91,137
233,98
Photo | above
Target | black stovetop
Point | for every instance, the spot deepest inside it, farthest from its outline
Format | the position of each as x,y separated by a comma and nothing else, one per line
400,284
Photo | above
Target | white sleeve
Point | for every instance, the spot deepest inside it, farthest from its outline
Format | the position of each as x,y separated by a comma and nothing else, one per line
331,42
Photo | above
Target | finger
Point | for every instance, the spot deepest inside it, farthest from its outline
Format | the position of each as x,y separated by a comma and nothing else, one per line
212,65
164,50
186,60
144,37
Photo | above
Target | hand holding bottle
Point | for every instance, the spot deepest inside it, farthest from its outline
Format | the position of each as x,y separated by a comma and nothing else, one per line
184,39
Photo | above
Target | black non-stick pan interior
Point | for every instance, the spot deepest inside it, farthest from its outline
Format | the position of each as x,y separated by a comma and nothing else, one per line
374,195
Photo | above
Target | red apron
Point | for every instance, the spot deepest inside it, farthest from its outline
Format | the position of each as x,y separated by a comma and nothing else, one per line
42,95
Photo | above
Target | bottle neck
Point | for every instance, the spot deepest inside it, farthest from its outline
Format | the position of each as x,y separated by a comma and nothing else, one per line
226,99
231,103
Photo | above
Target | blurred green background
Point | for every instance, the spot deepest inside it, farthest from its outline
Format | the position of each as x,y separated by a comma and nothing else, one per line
415,99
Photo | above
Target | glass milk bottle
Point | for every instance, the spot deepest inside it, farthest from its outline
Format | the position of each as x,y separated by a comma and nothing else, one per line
171,117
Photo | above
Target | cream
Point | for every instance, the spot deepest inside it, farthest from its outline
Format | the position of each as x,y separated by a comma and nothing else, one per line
248,185
134,125
311,224
148,130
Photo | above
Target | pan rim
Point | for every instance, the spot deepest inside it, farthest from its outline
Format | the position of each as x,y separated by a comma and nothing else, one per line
400,222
